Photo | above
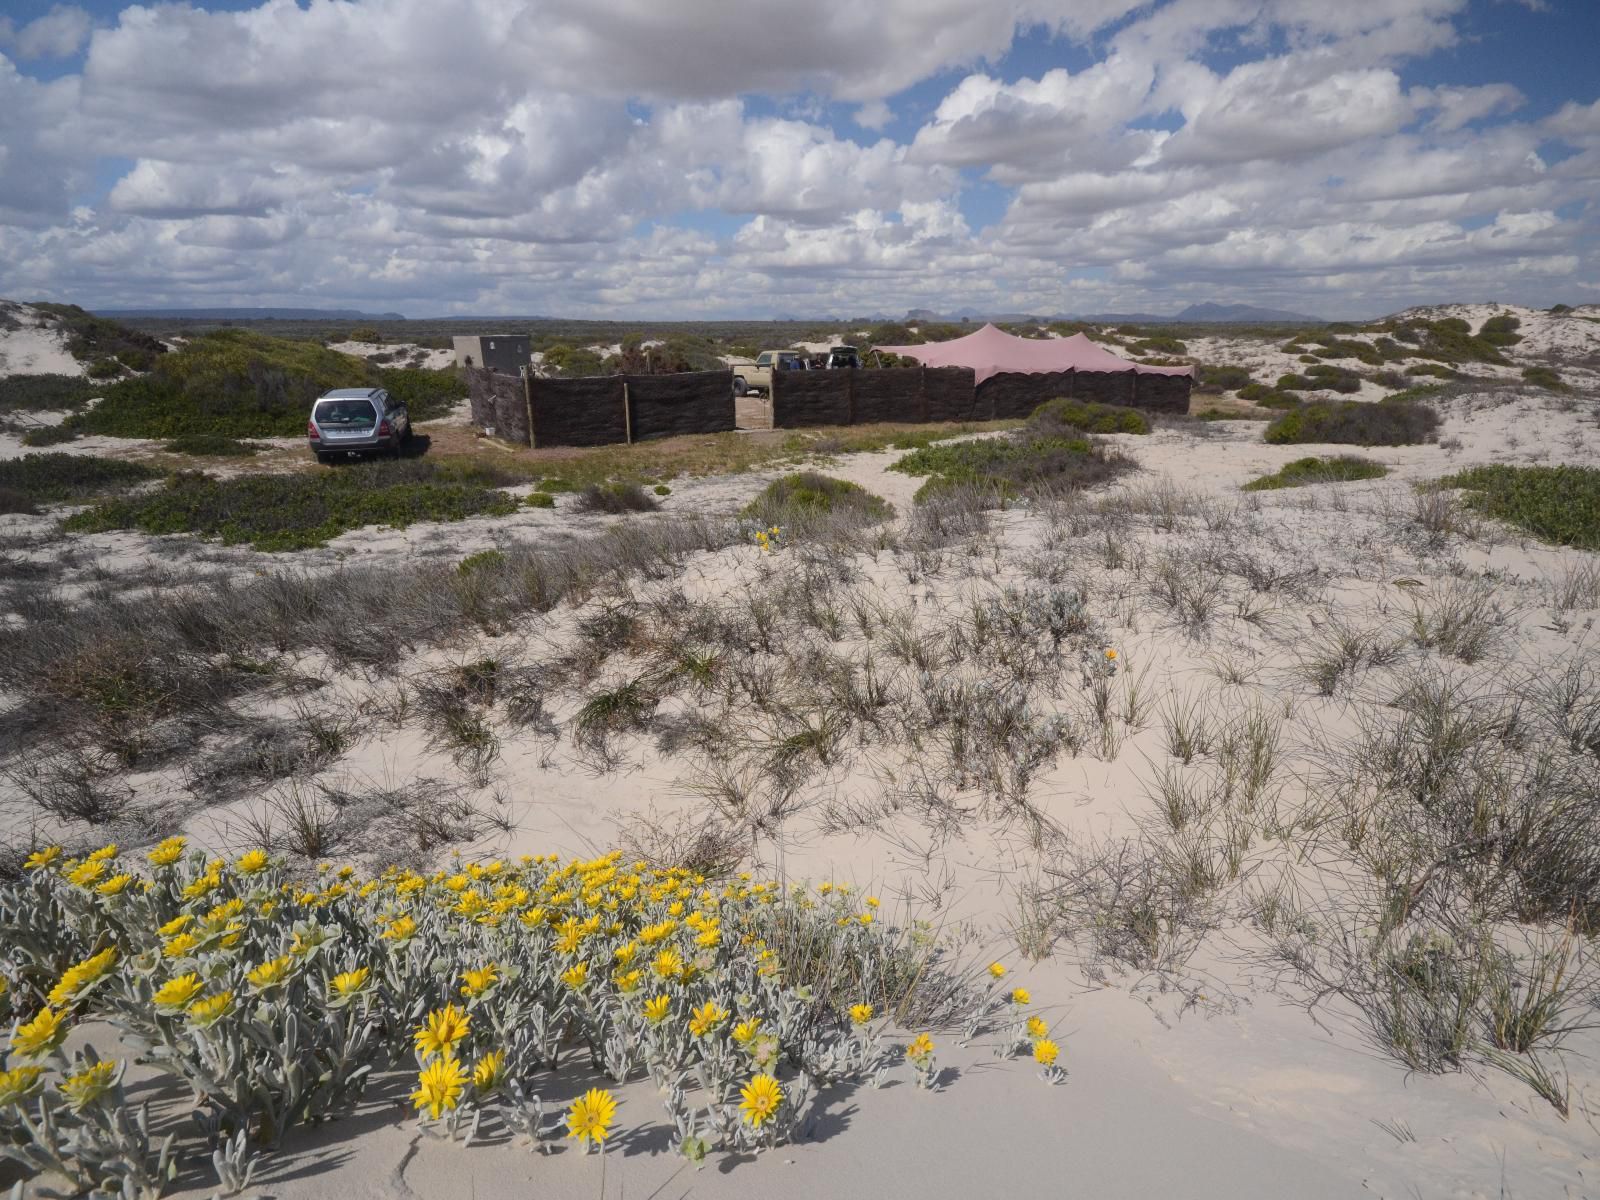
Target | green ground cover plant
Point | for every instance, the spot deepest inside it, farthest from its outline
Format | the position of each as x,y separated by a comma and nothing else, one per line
1343,468
296,512
1022,464
1351,422
1060,415
35,479
1557,504
43,393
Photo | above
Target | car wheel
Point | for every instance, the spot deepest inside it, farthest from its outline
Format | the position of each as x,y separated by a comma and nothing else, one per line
325,459
740,387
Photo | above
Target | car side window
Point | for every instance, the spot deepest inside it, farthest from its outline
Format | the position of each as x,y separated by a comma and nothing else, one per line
764,360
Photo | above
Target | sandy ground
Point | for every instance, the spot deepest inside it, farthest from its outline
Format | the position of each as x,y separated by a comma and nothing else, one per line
1209,1081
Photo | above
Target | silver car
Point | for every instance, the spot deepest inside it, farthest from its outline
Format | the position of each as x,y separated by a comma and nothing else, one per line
357,419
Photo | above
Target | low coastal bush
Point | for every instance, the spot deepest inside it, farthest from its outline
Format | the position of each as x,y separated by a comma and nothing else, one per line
806,495
1557,504
1059,416
294,512
1546,378
45,393
49,435
279,1000
615,498
1018,465
1303,471
1321,377
1354,423
56,478
1223,378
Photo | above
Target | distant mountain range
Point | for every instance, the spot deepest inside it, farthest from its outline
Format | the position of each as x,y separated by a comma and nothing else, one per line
1237,314
252,314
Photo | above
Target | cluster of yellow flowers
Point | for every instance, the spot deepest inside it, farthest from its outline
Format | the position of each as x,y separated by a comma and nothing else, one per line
767,539
657,971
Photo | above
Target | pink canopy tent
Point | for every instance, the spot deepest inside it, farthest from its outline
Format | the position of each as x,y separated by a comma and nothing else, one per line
991,351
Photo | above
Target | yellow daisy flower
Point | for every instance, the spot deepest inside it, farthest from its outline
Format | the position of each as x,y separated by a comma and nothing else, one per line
271,973
168,852
39,860
444,1028
576,975
88,1085
439,1086
486,1071
179,992
860,1014
211,1010
921,1046
657,1008
17,1084
761,1100
1021,996
76,978
590,1117
40,1036
252,862
348,983
1045,1052
706,1018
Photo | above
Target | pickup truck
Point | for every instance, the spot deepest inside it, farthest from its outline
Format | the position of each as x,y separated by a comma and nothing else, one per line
757,377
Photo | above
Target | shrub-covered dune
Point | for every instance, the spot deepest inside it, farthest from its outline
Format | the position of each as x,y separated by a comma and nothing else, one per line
243,384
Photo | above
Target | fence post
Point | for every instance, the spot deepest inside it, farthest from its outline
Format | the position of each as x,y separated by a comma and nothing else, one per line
627,413
527,402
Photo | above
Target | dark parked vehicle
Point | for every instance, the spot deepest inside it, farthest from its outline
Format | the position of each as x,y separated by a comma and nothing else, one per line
357,419
843,358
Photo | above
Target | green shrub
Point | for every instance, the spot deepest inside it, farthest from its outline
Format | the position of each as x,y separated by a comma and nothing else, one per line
1434,370
557,485
294,512
616,498
1321,377
1556,504
1268,397
662,489
539,500
1501,330
1058,416
789,501
426,394
1546,378
103,368
1309,358
14,501
1021,464
483,559
213,445
1218,414
1302,471
1159,345
49,435
59,477
1351,422
1227,378
45,393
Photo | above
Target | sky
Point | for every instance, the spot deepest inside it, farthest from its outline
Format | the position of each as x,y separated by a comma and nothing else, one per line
718,158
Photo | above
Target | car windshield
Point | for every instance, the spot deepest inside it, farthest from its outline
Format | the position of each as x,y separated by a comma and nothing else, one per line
349,414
